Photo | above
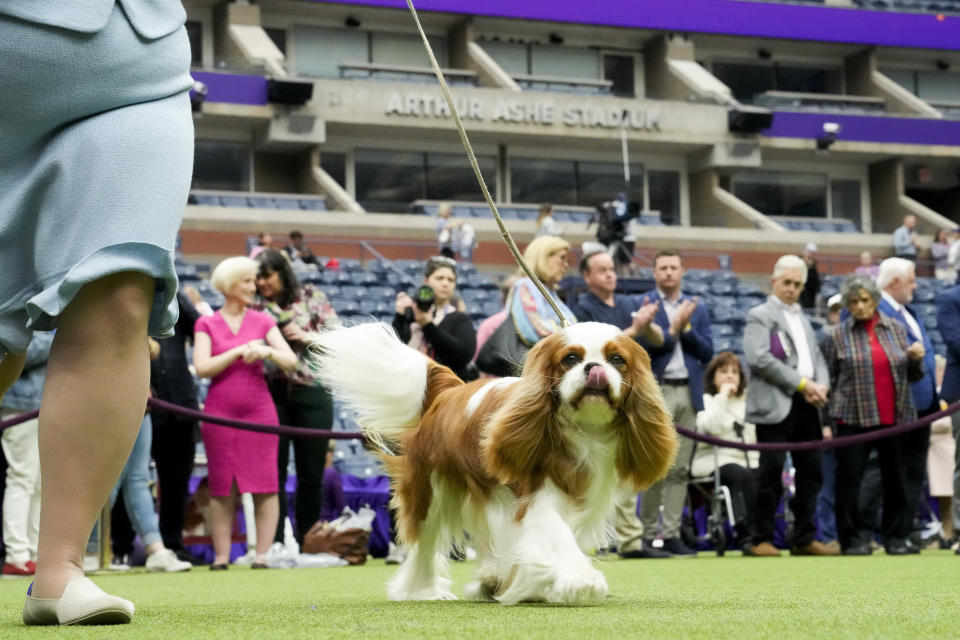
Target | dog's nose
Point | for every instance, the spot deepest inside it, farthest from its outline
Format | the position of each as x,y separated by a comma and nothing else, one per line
596,376
590,365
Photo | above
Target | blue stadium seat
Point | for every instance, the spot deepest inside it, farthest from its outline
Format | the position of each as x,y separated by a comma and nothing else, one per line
205,199
261,202
492,307
234,201
721,330
352,292
312,204
286,203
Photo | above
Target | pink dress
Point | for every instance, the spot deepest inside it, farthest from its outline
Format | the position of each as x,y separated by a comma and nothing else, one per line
239,392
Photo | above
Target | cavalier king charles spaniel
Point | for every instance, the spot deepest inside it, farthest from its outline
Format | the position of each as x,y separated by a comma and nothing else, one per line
529,467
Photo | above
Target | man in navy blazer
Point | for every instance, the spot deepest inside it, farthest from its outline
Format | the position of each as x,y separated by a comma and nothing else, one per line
678,364
896,279
948,322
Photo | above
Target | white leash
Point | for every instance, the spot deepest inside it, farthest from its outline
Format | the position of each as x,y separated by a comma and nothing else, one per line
476,170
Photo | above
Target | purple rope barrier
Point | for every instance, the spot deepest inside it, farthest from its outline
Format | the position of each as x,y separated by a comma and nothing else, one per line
811,445
20,419
283,430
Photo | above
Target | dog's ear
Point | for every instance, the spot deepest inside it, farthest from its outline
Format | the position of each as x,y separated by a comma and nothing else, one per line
523,433
648,440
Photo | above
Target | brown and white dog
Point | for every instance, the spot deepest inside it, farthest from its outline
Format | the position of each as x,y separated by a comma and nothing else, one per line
530,467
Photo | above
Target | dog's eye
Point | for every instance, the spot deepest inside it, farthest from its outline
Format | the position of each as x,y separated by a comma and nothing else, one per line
570,360
616,360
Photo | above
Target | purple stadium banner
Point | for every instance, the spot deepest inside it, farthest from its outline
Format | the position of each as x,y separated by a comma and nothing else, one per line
232,87
882,129
729,17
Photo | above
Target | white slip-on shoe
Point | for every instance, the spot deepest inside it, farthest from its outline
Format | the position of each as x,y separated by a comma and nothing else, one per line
166,560
82,602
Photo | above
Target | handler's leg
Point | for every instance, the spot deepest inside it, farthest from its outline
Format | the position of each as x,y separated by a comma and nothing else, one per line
93,402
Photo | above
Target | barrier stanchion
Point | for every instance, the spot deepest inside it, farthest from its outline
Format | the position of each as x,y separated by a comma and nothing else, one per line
104,547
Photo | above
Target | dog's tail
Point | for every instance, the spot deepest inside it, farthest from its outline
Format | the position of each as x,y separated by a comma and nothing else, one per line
386,383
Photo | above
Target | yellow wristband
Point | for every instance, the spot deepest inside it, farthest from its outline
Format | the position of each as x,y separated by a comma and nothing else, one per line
688,327
802,385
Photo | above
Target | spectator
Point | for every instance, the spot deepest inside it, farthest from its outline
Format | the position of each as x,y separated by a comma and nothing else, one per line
941,463
602,304
546,225
723,416
948,322
297,250
826,499
488,326
897,282
866,267
953,254
95,171
940,252
811,290
549,259
201,306
432,324
789,382
678,365
264,241
301,400
905,242
444,229
230,347
173,445
21,495
870,358
465,238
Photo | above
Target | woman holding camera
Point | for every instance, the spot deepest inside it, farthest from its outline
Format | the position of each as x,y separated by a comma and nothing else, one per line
431,324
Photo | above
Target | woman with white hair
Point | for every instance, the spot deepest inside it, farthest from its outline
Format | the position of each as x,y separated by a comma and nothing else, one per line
230,346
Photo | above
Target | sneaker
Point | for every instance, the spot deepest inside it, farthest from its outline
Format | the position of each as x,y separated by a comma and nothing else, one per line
29,568
186,556
395,554
166,560
645,552
858,550
676,548
119,563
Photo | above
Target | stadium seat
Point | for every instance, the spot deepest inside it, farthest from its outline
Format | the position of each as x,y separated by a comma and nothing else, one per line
286,203
261,202
312,204
234,201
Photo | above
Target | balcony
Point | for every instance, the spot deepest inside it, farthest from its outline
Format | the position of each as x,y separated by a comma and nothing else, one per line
821,103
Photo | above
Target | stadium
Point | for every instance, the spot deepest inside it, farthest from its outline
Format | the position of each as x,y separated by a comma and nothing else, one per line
732,132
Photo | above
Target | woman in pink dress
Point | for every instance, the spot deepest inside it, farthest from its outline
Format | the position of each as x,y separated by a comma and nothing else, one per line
230,347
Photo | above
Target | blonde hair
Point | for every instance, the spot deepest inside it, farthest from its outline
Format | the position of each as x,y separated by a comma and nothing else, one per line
539,251
230,271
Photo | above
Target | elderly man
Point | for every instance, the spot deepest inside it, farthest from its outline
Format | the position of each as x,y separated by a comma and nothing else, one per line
602,304
789,383
948,321
905,243
897,282
678,364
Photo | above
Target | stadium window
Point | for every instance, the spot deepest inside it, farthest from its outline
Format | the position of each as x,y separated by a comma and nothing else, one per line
195,36
808,80
221,165
539,180
746,81
783,194
601,181
564,62
335,164
279,37
320,51
405,49
904,78
619,70
664,192
450,177
938,86
845,201
513,57
388,181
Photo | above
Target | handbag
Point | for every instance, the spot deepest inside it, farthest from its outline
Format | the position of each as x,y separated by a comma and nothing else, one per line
349,544
504,351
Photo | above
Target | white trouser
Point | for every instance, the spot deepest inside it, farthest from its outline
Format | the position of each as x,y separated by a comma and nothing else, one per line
21,498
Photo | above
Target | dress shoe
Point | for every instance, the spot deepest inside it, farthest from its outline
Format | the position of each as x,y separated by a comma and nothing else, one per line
677,549
645,552
895,547
815,548
28,569
762,550
219,567
82,602
858,550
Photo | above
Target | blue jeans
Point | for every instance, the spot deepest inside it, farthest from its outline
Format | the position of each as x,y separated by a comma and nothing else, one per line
826,516
135,482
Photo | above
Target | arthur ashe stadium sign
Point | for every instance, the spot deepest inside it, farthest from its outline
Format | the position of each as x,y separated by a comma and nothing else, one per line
528,111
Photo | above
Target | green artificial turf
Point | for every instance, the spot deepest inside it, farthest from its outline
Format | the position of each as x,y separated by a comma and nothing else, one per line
708,597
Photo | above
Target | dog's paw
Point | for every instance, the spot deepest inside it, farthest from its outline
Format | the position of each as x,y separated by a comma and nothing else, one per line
482,590
438,590
585,587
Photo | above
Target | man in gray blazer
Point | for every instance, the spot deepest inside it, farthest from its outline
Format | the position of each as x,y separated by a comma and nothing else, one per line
789,382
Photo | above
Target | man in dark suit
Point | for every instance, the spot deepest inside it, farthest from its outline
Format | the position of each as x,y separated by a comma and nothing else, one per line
678,364
896,279
173,436
948,322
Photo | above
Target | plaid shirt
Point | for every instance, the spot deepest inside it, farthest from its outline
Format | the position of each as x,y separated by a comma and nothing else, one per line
849,360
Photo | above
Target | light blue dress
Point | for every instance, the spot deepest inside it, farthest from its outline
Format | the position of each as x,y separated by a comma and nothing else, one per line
96,153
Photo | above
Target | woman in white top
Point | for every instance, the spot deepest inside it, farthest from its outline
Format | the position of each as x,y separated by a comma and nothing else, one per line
724,407
546,225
